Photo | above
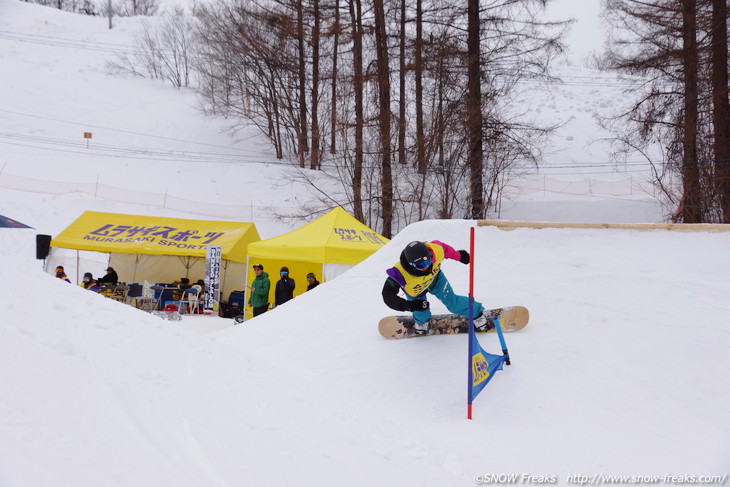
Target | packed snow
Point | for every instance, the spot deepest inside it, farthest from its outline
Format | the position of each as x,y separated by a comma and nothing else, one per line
622,370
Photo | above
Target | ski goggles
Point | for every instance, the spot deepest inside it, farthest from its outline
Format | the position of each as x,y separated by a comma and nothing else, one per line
422,264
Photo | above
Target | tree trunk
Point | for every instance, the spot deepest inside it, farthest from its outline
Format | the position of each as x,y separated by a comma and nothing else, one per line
420,138
303,149
474,111
381,41
333,103
358,80
691,201
721,106
314,160
402,87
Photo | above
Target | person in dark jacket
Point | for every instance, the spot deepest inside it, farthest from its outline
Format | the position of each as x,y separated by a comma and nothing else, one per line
258,296
110,277
418,273
284,287
312,280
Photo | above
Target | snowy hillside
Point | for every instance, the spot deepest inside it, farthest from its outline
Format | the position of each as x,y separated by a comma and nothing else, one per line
152,151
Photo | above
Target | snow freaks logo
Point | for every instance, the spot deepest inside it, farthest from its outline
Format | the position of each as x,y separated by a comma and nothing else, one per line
514,478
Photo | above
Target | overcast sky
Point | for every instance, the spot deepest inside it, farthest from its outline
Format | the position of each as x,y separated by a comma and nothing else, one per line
586,34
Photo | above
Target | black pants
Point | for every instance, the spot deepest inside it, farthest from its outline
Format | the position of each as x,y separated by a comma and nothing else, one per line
260,309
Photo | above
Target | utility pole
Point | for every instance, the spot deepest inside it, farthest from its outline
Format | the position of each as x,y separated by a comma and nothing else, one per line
110,13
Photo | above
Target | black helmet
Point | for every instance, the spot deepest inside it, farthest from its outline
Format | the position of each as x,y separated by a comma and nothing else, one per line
417,256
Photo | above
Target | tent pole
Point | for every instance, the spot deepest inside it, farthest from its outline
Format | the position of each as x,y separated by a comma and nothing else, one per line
78,266
246,290
136,261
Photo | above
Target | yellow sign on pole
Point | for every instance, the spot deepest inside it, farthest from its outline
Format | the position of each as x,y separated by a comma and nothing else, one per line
87,136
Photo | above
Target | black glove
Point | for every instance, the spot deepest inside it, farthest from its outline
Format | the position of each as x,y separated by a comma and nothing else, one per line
418,305
464,259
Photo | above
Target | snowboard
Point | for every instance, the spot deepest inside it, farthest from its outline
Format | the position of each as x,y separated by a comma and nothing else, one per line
513,318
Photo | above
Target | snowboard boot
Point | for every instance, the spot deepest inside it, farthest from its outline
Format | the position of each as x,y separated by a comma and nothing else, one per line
421,328
481,323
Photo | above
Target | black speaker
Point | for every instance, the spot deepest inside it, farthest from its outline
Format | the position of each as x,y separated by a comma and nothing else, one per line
42,246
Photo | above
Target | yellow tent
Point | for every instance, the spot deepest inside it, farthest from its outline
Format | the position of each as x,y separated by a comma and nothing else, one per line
328,246
161,249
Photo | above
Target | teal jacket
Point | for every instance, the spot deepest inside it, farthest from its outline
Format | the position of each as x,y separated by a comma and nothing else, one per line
259,295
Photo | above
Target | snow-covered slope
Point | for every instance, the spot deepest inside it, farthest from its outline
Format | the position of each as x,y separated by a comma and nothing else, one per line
620,371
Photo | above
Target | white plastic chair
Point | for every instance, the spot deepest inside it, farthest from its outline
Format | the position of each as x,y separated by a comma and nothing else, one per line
190,298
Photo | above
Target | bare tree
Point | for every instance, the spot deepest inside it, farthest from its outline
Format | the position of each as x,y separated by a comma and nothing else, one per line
314,160
672,43
474,109
384,119
721,107
358,78
250,70
336,27
164,51
418,48
263,64
402,85
303,149
691,207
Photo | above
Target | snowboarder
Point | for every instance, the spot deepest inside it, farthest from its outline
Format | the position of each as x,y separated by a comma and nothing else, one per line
419,272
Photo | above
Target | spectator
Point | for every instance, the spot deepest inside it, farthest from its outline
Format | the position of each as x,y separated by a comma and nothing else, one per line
284,287
90,283
258,297
110,277
61,274
312,280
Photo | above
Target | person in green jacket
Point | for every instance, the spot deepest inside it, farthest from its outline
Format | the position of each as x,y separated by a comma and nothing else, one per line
258,296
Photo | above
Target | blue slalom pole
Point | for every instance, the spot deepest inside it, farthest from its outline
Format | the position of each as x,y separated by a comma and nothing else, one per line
505,352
